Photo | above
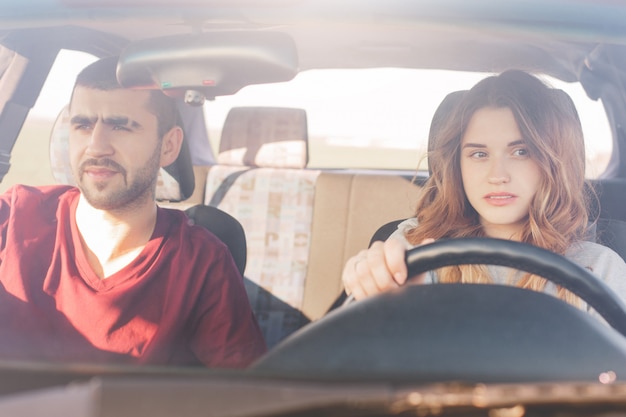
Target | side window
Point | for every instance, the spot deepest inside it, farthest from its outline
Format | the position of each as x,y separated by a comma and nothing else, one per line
598,141
30,162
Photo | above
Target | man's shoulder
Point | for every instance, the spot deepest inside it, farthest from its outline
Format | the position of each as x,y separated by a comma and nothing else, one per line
189,241
178,220
40,190
24,194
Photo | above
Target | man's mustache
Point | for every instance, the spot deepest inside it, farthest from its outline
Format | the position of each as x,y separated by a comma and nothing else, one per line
104,163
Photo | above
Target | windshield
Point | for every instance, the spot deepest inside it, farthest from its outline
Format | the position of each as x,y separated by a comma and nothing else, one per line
319,234
379,118
358,118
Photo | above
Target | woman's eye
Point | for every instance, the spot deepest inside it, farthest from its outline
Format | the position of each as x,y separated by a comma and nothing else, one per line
478,154
520,152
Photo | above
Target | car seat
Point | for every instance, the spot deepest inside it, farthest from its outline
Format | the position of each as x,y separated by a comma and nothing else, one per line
261,179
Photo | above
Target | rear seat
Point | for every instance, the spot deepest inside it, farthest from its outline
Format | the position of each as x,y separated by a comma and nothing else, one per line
301,224
348,209
262,156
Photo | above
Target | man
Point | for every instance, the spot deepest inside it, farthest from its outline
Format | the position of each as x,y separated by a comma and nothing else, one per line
100,273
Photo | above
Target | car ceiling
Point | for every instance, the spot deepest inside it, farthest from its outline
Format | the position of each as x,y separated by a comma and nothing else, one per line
480,35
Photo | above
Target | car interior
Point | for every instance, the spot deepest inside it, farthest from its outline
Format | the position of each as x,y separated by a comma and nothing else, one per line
299,224
260,182
291,225
260,199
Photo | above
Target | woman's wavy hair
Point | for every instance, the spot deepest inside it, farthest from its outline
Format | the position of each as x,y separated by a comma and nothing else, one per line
551,130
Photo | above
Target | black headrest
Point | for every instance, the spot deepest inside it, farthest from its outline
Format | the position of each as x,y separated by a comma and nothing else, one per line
182,168
443,112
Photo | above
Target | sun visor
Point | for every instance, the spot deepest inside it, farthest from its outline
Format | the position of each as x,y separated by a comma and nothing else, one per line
206,65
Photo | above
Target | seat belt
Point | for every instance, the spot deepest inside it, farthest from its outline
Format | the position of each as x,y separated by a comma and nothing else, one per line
226,184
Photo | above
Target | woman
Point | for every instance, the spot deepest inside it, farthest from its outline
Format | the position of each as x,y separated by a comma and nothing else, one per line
508,164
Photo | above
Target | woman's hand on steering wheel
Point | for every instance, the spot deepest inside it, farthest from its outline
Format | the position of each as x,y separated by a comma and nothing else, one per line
380,268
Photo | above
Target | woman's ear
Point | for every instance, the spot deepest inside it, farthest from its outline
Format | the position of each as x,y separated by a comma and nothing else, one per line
170,146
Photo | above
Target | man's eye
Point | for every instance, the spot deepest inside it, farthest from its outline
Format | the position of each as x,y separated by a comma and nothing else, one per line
478,154
121,127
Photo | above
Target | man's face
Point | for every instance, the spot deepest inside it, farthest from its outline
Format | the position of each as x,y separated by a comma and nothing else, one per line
114,147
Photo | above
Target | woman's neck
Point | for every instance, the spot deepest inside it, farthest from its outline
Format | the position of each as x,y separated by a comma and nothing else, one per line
503,231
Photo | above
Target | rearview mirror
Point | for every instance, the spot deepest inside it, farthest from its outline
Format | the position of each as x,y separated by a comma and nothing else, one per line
206,65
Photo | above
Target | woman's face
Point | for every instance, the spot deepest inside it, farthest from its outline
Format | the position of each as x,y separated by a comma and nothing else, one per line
499,177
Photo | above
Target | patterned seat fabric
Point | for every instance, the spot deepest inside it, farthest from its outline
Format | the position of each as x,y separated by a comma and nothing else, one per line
262,161
175,182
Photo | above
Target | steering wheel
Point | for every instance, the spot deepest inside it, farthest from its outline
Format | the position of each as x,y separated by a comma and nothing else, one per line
484,333
525,257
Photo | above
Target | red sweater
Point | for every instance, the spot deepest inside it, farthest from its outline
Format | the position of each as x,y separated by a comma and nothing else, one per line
181,301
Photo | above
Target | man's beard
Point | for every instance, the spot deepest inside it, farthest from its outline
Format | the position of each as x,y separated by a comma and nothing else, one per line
120,198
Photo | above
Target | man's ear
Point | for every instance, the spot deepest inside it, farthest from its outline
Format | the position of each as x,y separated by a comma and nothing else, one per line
170,146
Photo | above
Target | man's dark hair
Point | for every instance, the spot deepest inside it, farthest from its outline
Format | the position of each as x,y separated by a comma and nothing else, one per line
101,75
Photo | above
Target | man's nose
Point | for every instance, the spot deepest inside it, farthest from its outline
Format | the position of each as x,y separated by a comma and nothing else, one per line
99,141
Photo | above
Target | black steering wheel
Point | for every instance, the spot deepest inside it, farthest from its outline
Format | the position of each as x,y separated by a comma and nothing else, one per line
525,257
478,333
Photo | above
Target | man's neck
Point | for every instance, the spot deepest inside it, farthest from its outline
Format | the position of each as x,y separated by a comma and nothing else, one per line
112,239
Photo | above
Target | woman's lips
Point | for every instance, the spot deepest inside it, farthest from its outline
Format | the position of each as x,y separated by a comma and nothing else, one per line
500,199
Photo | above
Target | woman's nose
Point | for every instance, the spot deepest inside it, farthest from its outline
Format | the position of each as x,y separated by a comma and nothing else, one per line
498,173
